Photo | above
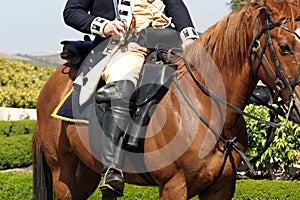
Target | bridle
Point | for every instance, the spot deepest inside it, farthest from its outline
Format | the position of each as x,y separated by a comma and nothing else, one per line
278,76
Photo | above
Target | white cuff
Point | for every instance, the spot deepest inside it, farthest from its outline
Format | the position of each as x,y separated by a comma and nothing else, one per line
188,33
97,26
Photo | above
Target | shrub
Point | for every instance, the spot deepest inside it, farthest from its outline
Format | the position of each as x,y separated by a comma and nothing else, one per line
15,143
20,83
15,151
10,128
284,150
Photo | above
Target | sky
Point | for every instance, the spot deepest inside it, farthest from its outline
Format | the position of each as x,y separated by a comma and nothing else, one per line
37,26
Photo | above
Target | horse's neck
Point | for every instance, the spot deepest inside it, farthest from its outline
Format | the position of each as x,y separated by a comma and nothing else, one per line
233,87
239,89
238,93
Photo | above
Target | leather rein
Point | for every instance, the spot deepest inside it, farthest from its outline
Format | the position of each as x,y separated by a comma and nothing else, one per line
282,83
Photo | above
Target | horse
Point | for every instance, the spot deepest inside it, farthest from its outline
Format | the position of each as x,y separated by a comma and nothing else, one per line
182,153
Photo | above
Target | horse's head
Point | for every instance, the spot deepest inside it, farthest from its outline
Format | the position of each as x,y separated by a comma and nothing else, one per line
275,52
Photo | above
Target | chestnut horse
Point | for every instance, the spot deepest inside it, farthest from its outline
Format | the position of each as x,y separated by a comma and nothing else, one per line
182,153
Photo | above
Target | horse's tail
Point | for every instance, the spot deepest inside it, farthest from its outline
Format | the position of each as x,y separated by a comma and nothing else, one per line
42,178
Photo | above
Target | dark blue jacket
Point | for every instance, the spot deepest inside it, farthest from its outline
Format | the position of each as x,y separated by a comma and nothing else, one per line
76,13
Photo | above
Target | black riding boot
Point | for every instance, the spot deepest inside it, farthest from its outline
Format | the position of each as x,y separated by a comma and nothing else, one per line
116,96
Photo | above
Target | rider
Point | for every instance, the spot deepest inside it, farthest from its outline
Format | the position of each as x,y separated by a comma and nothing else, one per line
98,17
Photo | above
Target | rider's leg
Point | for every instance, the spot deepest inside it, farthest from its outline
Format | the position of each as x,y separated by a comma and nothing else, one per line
116,96
121,75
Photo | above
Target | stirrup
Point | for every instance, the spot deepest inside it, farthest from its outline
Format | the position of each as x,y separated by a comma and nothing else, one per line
107,189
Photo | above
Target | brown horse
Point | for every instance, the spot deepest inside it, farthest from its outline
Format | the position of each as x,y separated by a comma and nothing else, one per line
182,154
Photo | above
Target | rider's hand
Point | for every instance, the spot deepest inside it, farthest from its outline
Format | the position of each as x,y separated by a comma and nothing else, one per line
114,28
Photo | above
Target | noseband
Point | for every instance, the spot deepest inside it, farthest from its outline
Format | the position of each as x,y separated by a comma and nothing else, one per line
258,50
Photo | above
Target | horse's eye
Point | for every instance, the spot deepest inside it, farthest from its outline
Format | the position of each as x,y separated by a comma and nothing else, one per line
285,48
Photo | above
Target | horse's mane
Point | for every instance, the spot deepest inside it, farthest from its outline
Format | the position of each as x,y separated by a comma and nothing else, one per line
229,40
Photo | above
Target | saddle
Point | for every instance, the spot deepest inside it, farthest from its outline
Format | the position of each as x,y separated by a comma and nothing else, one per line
153,84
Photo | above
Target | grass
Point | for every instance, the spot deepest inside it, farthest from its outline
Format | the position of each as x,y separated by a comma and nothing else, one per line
133,192
267,190
18,185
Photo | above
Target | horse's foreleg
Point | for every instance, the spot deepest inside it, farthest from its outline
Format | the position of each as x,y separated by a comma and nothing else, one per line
221,190
86,181
175,188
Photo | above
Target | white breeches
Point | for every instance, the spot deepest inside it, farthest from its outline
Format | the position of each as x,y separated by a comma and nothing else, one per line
125,64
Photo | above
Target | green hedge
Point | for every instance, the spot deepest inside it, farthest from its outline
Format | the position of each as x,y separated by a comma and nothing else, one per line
10,128
15,143
15,151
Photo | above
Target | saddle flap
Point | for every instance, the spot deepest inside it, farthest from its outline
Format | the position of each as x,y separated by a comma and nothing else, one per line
154,77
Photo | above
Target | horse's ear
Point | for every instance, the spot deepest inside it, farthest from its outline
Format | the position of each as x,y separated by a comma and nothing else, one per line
271,7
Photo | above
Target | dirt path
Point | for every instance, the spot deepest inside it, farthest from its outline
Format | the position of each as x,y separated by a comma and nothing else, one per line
26,169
